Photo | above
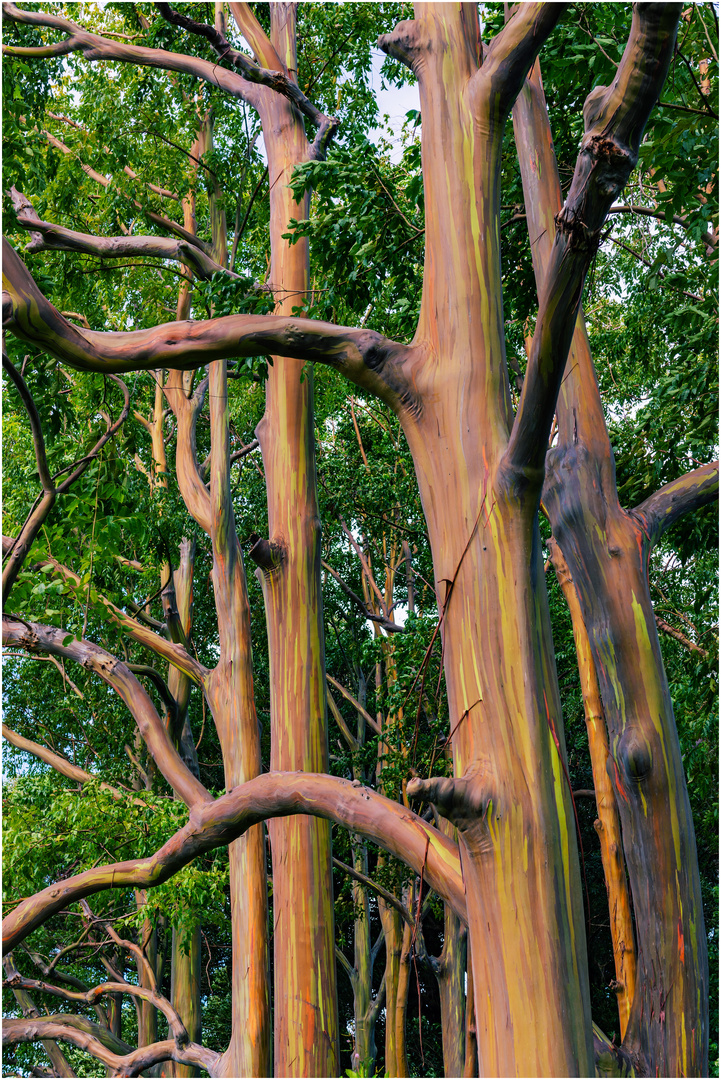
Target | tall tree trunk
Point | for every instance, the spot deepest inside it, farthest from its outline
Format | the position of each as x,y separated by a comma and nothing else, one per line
404,983
304,966
607,824
186,944
450,970
393,934
510,799
230,694
668,1025
364,1050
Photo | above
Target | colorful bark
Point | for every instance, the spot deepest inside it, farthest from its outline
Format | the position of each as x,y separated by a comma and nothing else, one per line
229,691
304,966
450,971
607,824
516,836
607,551
480,472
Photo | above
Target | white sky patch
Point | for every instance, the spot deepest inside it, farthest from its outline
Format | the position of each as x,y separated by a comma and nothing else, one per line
393,102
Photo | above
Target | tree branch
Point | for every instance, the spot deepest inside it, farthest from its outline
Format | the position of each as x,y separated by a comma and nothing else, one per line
132,1064
89,997
62,765
58,1060
614,120
363,356
41,508
263,49
511,54
96,47
347,734
391,627
679,636
373,724
212,824
48,237
275,80
118,676
157,219
21,545
383,893
669,503
174,653
710,240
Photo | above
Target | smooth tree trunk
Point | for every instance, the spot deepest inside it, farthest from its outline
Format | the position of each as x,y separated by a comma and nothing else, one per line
231,697
516,835
304,965
185,990
450,971
608,823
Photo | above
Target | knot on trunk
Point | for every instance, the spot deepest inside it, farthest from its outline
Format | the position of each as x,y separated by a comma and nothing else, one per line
634,756
581,238
266,554
466,801
402,43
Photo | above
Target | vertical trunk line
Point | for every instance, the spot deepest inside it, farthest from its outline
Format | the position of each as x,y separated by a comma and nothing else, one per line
304,965
608,825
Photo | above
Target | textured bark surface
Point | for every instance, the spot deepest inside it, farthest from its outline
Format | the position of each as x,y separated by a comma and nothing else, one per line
608,563
513,876
517,847
304,966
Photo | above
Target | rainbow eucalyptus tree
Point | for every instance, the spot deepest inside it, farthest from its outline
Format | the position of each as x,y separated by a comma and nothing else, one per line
505,862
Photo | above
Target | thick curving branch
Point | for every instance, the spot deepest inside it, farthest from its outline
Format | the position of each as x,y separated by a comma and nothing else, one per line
89,997
679,497
48,237
511,53
132,1064
59,1062
211,825
118,676
188,472
614,119
363,356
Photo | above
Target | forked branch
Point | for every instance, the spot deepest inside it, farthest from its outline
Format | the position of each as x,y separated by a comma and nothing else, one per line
275,80
510,55
48,237
132,1064
614,118
117,675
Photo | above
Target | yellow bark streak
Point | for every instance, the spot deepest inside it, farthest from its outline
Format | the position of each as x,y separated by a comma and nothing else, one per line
608,825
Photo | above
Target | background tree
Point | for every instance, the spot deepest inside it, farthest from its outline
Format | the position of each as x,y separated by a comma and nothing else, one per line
399,700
